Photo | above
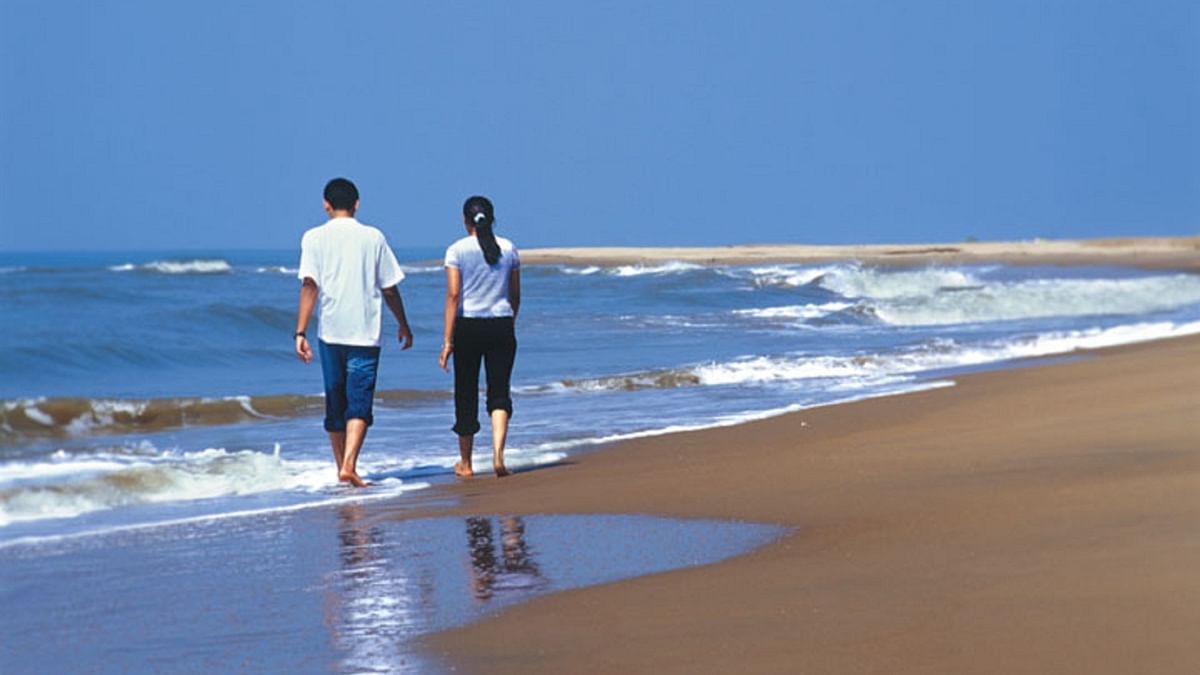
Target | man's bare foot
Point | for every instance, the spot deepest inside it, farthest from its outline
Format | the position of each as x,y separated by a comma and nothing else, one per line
500,469
463,470
352,478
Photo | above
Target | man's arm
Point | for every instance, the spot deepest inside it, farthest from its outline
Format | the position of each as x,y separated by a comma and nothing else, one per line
395,303
308,300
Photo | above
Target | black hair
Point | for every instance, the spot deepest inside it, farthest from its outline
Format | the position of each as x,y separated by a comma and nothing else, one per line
478,212
341,194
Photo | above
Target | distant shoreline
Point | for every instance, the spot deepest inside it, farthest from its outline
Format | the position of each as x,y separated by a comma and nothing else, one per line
1182,253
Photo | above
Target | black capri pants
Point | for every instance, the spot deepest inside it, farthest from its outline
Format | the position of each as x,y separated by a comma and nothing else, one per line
493,342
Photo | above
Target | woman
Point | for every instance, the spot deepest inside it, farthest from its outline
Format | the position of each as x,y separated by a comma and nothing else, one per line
483,295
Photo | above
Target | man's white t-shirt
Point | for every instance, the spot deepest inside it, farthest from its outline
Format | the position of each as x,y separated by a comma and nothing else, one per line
351,264
484,286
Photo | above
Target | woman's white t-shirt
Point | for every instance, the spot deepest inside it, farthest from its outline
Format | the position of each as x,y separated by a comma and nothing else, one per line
484,287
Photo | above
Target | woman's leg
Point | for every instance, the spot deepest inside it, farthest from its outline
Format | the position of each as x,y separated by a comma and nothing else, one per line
466,445
498,361
468,355
499,436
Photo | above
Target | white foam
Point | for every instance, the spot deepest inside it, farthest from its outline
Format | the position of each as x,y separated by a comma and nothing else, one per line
395,488
856,281
946,295
778,275
11,472
190,267
199,266
35,414
670,267
102,415
421,269
71,486
857,371
795,312
14,404
278,269
247,406
1042,298
581,271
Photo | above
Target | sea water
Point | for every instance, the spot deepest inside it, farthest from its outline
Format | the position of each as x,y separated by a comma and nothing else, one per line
157,389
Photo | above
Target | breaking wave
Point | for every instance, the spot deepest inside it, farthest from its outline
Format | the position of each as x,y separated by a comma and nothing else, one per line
24,419
795,312
214,266
72,484
873,369
670,267
277,269
1042,298
68,486
947,296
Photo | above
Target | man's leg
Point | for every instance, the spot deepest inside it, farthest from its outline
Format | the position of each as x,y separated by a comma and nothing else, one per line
337,440
356,433
333,370
361,367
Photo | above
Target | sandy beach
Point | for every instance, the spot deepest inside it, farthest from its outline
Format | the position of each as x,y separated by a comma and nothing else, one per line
1160,252
1034,520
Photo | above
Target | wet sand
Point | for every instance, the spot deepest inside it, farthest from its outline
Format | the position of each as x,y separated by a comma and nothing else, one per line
1154,252
1037,520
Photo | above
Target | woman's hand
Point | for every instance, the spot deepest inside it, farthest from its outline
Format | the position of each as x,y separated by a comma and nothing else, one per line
444,357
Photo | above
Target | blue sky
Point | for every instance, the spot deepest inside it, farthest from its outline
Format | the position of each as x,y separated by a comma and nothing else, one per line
214,124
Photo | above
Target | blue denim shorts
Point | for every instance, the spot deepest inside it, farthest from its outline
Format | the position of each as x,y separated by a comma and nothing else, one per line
349,383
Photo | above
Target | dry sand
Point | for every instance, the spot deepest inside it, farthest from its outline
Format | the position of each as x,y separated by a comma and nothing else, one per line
1163,252
1036,520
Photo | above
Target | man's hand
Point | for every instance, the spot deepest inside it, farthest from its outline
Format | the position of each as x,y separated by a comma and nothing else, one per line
308,300
405,337
303,350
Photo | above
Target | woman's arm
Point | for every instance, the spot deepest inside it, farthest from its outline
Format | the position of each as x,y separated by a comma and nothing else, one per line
514,290
453,295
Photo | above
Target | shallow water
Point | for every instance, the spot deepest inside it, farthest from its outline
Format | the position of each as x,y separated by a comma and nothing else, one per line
338,589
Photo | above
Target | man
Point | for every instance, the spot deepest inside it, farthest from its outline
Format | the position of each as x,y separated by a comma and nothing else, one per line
349,267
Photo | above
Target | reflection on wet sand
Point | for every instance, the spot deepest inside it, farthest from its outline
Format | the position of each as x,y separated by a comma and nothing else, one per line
376,604
515,570
390,589
400,579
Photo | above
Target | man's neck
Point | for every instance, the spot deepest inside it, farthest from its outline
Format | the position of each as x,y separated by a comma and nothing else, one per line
340,213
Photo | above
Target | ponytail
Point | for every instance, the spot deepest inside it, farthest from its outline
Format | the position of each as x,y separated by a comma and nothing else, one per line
478,211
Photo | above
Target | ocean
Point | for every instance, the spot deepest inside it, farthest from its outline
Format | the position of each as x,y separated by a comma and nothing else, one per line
157,390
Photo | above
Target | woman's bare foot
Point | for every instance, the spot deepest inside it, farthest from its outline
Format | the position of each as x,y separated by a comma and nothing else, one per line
501,471
352,478
463,470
